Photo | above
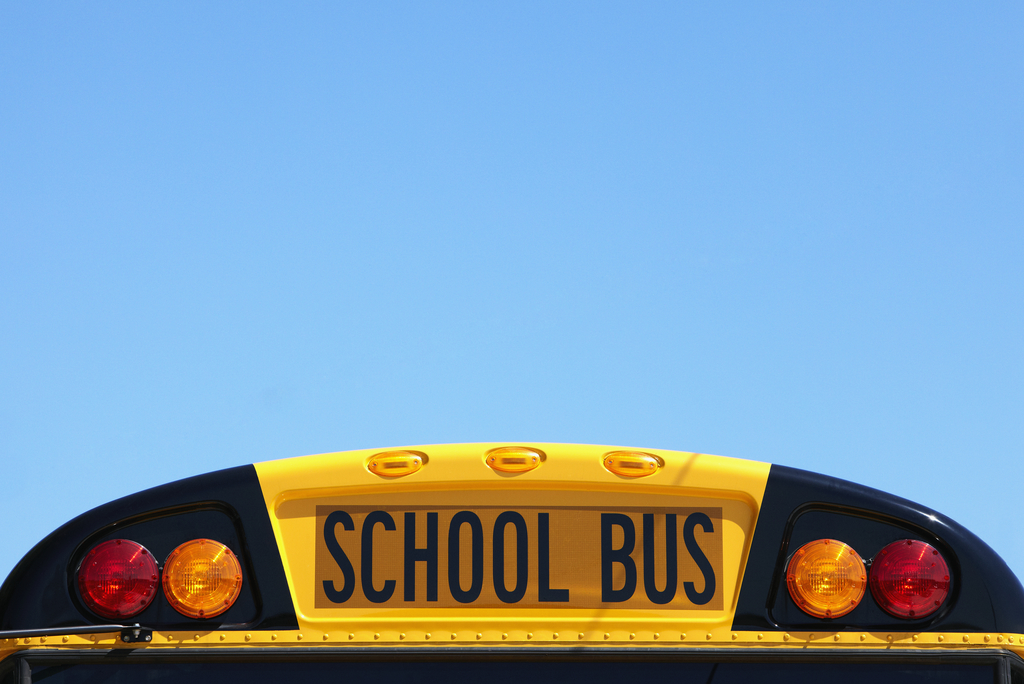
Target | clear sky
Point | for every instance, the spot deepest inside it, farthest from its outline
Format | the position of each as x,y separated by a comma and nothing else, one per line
233,232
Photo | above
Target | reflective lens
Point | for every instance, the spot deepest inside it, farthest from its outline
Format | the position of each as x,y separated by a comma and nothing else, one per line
909,579
826,578
631,463
395,463
202,578
513,459
118,579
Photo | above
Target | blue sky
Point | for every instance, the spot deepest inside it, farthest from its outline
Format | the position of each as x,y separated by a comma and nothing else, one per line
237,232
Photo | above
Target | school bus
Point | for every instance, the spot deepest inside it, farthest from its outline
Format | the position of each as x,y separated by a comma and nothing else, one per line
511,563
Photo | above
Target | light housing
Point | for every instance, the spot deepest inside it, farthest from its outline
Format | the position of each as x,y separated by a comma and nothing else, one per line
118,579
909,579
631,463
826,578
513,459
395,463
202,578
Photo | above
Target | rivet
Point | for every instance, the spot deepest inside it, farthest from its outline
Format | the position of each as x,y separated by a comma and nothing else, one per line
632,635
479,635
555,635
273,637
863,637
353,636
967,637
785,637
942,637
735,636
1010,639
760,636
889,638
453,636
298,637
682,636
836,637
427,635
581,635
196,637
709,636
914,637
529,635
65,639
999,638
328,636
376,636
657,636
988,638
401,636
29,640
504,635
248,637
42,640
223,637
607,635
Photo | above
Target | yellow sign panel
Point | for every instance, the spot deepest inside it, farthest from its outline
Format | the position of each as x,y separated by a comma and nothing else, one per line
518,557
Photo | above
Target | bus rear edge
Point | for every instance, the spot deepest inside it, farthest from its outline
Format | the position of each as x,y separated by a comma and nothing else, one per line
514,549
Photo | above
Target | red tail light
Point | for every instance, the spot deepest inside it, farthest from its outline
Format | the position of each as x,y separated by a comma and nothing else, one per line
118,579
909,579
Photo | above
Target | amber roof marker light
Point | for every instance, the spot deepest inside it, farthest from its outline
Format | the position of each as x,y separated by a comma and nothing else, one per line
826,578
202,578
631,464
397,463
513,459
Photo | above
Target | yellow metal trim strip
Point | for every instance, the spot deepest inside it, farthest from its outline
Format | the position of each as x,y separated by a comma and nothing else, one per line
514,637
